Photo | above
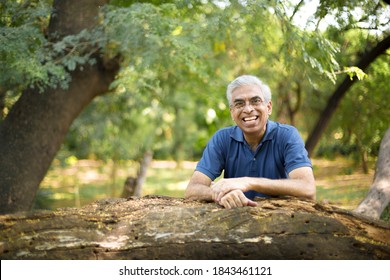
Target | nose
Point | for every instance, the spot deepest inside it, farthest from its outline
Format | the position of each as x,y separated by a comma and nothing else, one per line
248,107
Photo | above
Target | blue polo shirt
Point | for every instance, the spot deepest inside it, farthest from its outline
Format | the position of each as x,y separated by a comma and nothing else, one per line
280,151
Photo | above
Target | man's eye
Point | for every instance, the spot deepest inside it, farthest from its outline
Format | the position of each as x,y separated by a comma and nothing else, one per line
257,101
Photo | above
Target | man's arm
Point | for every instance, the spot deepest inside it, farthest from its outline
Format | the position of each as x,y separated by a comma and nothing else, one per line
199,187
300,183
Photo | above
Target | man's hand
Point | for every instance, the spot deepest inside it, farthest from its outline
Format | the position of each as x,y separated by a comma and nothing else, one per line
224,186
236,198
230,193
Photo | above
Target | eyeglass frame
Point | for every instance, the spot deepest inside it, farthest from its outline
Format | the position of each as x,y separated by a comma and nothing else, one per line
254,102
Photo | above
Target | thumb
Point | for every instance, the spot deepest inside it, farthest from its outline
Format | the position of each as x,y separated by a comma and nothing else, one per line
251,203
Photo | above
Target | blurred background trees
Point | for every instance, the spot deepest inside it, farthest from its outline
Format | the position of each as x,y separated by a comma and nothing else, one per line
303,66
176,58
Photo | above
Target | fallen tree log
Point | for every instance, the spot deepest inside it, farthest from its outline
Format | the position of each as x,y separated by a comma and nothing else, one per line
172,228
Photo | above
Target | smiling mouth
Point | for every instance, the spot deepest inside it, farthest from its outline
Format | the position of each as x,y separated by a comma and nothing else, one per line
248,119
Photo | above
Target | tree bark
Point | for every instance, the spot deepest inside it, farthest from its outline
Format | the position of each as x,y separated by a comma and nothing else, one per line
133,186
172,228
33,131
378,196
339,93
2,103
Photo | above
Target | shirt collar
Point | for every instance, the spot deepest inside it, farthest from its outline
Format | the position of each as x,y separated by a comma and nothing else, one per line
238,135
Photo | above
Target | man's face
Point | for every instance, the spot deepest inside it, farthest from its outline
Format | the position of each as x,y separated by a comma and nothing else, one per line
250,111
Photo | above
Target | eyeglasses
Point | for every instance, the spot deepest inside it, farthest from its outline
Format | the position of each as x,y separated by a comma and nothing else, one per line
254,102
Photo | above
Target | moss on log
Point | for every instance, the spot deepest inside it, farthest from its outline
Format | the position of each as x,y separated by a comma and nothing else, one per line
172,228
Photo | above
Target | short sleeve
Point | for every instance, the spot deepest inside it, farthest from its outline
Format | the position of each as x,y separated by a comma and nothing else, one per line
295,154
213,159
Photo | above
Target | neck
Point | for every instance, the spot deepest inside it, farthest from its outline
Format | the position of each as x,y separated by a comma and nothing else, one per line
253,140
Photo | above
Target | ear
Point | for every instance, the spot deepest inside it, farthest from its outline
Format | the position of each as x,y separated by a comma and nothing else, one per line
269,107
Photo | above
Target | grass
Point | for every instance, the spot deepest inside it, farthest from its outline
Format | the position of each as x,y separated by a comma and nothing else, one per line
86,181
339,182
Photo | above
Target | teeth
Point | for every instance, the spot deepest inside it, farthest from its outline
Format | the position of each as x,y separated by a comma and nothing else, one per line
250,119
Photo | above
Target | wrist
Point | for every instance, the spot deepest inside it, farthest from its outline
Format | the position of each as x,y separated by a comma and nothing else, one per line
248,184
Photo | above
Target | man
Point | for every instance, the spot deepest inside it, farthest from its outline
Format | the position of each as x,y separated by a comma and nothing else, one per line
259,157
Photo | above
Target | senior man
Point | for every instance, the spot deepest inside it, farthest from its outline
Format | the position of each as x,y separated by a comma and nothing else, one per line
258,157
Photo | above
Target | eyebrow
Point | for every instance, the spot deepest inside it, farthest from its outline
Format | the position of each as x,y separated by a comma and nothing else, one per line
241,100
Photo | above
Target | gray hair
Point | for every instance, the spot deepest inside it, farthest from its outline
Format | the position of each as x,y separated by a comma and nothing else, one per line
248,80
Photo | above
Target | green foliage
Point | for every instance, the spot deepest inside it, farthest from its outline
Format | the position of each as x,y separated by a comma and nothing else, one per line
32,58
352,14
22,45
146,35
363,116
177,58
355,72
307,48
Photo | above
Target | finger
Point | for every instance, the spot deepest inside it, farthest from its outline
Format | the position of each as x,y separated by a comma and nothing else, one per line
215,195
234,199
221,194
239,199
228,202
225,203
251,203
244,201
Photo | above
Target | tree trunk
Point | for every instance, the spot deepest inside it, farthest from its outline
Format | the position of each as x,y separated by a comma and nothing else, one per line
172,228
339,93
133,186
378,196
2,103
141,175
289,101
33,131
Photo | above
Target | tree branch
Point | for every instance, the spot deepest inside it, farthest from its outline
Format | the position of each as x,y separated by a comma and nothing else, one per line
340,92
